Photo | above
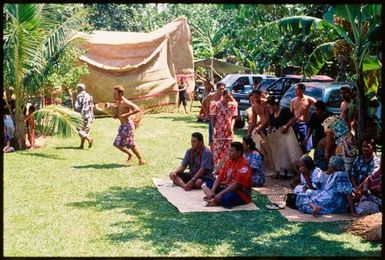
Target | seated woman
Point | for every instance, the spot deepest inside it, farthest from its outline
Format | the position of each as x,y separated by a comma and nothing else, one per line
312,177
255,160
365,164
369,194
334,197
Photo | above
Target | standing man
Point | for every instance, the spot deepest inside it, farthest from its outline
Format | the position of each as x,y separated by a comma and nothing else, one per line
300,106
260,110
199,159
206,102
222,119
232,187
84,105
124,110
346,95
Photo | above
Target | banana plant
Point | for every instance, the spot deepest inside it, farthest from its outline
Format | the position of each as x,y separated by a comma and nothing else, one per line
352,28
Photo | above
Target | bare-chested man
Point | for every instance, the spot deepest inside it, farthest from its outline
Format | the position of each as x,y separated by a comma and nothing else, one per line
259,109
300,106
124,110
346,100
206,102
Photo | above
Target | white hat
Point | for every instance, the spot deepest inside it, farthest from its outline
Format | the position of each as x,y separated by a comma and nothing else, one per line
81,86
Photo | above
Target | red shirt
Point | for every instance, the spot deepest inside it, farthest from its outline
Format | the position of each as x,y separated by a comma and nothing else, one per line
239,171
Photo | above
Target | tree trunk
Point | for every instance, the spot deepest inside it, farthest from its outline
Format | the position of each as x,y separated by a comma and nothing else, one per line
19,127
277,70
361,108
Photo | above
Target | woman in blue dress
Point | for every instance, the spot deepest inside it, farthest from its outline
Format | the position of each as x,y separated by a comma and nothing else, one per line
312,177
334,197
255,160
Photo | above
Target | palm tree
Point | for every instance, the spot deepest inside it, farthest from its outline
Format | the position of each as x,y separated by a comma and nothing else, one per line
33,35
353,27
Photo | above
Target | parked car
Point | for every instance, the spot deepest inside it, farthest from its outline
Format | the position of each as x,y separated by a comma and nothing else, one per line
328,92
280,86
237,83
265,83
277,87
240,85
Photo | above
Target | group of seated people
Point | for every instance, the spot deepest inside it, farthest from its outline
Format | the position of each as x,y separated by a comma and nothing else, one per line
319,192
334,191
231,185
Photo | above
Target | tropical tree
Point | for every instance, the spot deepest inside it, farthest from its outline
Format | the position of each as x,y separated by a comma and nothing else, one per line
352,27
64,72
33,35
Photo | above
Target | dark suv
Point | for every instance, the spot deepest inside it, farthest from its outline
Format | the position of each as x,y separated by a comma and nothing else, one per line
328,92
280,86
276,89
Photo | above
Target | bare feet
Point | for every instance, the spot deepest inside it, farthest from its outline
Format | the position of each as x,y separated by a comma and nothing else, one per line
129,158
316,210
141,162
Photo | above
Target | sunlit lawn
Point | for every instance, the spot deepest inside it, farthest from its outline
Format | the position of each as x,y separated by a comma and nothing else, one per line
61,201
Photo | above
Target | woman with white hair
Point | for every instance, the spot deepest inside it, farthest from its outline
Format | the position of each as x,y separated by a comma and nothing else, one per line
334,197
312,177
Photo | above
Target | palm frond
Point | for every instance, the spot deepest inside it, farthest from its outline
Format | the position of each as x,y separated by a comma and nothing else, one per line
60,33
57,120
318,58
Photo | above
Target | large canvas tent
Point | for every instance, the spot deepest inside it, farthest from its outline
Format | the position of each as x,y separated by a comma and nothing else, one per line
219,66
145,64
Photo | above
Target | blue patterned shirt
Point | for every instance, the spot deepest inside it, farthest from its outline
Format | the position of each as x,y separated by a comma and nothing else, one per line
362,169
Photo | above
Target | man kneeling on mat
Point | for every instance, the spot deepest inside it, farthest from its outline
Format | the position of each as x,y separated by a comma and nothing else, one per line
200,161
233,184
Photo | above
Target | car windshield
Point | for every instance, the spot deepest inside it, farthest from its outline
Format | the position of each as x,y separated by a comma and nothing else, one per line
265,83
309,91
229,79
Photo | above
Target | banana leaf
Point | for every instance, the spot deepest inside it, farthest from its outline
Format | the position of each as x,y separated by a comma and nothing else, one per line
318,58
371,63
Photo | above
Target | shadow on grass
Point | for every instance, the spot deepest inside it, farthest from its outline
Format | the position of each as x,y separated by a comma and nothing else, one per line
101,166
68,148
44,155
243,233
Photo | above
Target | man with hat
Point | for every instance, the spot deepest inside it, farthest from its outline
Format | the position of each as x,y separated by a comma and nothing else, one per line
84,105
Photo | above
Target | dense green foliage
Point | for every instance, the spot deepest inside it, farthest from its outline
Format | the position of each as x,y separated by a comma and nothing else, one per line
61,201
34,35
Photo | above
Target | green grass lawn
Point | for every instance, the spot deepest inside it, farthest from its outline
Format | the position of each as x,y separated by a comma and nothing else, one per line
61,201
